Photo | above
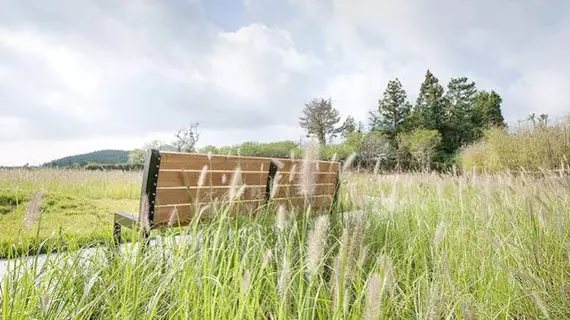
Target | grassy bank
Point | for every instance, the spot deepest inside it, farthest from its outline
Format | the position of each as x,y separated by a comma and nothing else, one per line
39,208
409,246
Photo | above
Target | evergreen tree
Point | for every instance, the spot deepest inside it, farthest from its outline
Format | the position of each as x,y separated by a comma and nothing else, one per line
430,104
459,111
393,110
487,112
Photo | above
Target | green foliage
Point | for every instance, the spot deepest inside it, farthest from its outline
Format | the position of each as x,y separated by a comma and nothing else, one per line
279,149
349,126
429,111
421,144
531,148
101,157
393,110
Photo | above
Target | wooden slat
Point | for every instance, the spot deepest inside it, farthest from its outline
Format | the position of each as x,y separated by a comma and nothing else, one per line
179,178
287,165
317,202
295,177
170,196
195,161
186,212
292,190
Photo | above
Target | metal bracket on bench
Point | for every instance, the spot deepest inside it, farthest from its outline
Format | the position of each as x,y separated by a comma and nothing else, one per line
149,184
150,181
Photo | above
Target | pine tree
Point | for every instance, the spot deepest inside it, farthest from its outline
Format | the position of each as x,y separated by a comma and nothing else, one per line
430,104
459,111
393,110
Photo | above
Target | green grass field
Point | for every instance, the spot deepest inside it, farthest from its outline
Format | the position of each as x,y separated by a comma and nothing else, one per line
75,204
415,246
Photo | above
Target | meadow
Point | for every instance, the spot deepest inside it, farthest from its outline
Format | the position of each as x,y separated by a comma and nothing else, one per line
404,246
45,207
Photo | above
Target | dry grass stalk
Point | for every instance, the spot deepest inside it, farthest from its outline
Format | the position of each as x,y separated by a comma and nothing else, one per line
245,282
143,213
173,217
348,162
307,186
202,178
316,245
33,209
281,221
275,185
373,298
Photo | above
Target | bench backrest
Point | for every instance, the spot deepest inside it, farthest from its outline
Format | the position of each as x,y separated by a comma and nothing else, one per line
183,180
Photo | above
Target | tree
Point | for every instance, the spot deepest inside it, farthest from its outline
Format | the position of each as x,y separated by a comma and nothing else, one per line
421,144
487,113
375,145
348,127
186,138
137,156
319,118
393,109
459,129
429,110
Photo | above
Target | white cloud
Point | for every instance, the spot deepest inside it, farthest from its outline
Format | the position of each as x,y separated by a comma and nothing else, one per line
94,72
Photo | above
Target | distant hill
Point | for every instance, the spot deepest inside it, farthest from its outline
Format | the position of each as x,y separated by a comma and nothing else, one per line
99,157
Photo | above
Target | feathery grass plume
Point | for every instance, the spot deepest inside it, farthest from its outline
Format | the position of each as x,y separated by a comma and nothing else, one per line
281,221
203,174
266,259
339,285
45,301
245,282
275,185
292,173
33,209
374,298
377,167
234,184
224,179
540,304
348,162
283,280
307,187
439,233
173,217
143,214
316,245
209,155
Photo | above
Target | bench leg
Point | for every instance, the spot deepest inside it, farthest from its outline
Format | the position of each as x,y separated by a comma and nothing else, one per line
117,234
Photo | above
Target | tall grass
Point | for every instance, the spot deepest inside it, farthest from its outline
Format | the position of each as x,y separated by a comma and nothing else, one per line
399,246
531,148
41,206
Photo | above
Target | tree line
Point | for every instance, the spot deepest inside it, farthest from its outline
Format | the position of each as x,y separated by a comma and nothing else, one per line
434,128
441,121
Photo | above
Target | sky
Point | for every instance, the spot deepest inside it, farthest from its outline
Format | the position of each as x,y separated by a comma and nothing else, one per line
79,76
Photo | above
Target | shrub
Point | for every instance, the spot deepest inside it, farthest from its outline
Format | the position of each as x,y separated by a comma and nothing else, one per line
534,148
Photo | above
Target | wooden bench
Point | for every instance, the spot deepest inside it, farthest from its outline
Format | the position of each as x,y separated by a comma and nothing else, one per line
181,183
